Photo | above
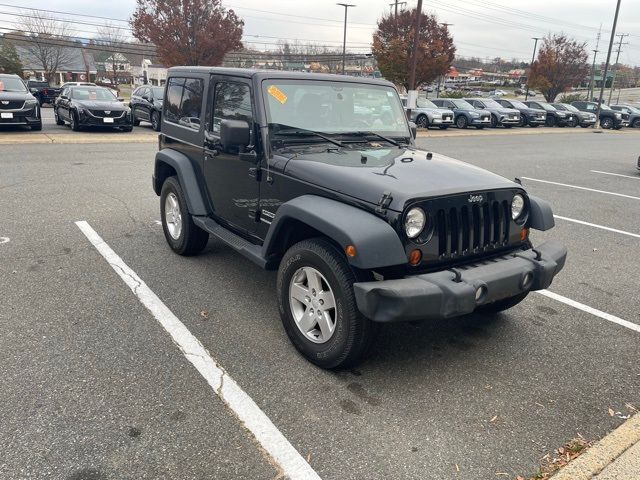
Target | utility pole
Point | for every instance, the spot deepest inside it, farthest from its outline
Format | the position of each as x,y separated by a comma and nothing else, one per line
446,25
606,65
344,38
414,53
593,67
395,4
533,58
615,65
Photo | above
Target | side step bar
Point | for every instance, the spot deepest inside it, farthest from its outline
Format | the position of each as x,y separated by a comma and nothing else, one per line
251,251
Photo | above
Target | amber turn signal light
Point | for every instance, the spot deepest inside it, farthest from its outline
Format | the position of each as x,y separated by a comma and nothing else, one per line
524,233
414,257
350,250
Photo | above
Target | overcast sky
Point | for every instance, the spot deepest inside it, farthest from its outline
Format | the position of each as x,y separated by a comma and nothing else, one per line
484,28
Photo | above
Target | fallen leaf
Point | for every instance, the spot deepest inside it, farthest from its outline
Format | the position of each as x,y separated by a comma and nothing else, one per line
204,313
611,413
309,457
457,468
493,419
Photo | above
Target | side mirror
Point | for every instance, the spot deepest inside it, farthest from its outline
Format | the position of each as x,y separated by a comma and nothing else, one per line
63,97
414,130
234,133
120,99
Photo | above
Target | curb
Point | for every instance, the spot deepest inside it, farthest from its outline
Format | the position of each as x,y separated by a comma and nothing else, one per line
66,139
603,452
511,132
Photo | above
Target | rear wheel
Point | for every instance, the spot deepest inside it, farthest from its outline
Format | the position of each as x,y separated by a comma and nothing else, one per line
183,236
318,308
502,305
462,122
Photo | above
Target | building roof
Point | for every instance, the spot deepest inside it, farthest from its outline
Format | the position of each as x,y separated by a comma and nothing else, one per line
74,59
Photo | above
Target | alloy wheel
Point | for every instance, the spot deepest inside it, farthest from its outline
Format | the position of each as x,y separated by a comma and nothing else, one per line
173,216
313,305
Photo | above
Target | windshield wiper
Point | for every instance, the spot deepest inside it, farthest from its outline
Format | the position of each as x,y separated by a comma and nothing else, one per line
295,131
374,134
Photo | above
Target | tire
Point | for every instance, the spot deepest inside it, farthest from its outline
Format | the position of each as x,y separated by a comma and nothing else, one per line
502,305
462,122
636,123
494,121
352,334
422,121
551,121
573,123
59,121
606,123
73,121
155,121
190,239
524,121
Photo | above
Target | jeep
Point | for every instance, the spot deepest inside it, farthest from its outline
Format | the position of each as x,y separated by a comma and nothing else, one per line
318,177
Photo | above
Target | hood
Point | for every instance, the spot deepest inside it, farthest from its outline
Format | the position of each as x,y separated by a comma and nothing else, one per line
507,111
407,174
536,111
16,96
102,105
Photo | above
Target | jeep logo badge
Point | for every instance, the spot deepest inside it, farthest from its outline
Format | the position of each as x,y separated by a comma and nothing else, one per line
475,198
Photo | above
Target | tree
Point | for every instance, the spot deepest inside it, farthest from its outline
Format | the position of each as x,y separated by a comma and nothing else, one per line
188,32
393,46
561,64
114,41
46,41
9,59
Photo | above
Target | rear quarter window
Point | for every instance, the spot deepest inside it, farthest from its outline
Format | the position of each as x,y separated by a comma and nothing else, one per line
184,102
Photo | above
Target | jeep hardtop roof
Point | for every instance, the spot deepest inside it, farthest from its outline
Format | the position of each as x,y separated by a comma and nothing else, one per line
276,74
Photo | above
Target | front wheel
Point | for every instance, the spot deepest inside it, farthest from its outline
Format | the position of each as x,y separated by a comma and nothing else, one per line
606,123
59,121
494,121
462,122
183,236
502,305
551,121
636,123
155,121
318,307
73,121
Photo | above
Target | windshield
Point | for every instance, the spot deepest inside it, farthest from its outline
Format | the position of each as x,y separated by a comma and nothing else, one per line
158,93
633,109
11,84
424,103
462,104
335,107
517,104
92,93
491,104
547,107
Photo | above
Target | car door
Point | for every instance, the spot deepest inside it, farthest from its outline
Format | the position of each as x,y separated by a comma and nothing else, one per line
231,181
63,104
134,104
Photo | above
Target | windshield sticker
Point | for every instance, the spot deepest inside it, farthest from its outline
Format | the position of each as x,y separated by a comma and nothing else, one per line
278,94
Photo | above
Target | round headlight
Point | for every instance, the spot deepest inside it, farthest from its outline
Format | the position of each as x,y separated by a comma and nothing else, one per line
414,222
517,206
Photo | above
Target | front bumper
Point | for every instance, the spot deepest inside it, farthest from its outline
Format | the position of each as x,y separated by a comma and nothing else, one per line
25,116
481,121
86,119
537,120
438,295
509,120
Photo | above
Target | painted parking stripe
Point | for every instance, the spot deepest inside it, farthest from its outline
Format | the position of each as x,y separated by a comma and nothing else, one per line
597,226
593,311
291,463
581,188
616,174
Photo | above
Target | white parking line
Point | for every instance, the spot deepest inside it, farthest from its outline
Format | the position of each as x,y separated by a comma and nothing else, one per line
616,174
593,311
292,464
597,226
581,188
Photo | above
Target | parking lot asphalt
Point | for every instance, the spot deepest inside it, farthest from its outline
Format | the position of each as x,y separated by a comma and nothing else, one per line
95,388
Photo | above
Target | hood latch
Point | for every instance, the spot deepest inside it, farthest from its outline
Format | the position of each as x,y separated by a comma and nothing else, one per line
384,203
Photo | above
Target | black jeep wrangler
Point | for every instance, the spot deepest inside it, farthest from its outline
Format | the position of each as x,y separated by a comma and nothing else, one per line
318,177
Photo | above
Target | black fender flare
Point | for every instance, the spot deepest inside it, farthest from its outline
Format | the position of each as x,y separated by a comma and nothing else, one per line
186,175
540,214
377,243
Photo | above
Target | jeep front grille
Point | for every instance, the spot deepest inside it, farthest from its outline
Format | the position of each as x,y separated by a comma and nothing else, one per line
472,229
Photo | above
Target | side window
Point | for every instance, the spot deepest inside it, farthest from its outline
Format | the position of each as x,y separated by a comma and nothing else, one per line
184,102
591,107
232,102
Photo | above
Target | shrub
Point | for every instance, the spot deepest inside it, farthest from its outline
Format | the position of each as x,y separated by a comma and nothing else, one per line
571,97
453,94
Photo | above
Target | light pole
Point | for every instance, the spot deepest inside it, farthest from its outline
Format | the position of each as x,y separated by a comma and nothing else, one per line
593,76
344,39
533,58
606,65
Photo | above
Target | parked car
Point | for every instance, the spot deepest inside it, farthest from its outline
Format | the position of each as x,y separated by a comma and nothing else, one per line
464,114
146,105
87,106
507,117
534,117
78,84
17,105
633,112
43,92
609,118
497,93
362,227
427,114
584,119
555,117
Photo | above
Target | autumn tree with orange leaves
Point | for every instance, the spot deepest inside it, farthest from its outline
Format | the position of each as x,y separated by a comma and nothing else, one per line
393,46
188,32
561,64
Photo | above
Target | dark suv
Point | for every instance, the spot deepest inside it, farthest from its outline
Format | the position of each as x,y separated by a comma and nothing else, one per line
633,113
608,118
534,117
146,105
17,105
464,114
318,177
